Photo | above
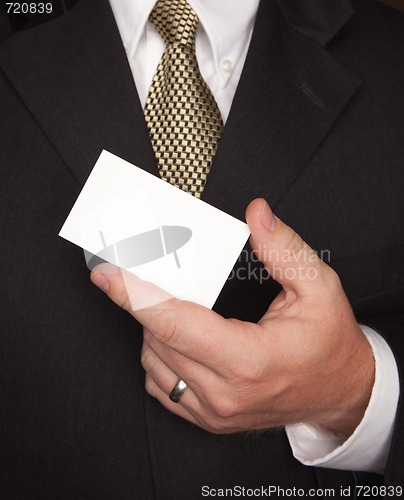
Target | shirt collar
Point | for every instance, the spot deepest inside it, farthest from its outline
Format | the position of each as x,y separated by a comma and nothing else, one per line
228,25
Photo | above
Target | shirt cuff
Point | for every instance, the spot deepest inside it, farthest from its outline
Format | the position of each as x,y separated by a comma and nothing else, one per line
368,447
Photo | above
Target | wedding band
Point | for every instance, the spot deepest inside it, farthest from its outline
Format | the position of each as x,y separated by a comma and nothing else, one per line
178,391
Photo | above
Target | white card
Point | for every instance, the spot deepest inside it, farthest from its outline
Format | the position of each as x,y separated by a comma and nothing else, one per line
156,231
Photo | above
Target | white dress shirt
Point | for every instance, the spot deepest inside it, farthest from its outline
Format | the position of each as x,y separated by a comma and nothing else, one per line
222,43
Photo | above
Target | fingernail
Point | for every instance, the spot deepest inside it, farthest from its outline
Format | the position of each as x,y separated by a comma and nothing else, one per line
267,217
100,280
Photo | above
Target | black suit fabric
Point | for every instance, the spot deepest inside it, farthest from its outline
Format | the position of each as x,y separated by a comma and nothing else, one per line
316,128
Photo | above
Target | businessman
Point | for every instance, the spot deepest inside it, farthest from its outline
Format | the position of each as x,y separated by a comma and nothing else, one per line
311,108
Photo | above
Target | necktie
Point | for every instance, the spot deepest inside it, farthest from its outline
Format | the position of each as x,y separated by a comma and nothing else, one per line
181,113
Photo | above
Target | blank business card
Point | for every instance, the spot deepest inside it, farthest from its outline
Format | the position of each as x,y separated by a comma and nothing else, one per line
154,230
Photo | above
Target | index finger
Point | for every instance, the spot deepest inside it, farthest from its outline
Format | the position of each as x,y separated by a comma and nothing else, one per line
191,329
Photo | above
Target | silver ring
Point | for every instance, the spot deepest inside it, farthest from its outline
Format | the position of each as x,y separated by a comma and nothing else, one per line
178,391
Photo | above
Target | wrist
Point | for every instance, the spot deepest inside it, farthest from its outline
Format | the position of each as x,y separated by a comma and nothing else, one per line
359,375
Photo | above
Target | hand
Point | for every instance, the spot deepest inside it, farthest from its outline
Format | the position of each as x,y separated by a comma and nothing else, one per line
306,360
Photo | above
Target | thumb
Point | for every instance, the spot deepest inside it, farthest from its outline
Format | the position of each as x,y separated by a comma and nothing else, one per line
288,259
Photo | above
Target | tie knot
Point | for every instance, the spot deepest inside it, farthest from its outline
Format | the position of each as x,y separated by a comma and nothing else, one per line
175,21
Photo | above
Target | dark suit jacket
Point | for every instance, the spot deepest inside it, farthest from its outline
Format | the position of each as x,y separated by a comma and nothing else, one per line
316,128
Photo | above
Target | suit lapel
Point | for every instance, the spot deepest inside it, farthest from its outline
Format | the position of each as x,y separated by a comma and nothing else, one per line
290,93
78,122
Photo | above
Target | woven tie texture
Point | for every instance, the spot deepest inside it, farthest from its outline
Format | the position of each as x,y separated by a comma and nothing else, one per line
181,113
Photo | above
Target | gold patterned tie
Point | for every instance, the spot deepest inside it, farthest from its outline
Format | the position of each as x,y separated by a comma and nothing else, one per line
181,113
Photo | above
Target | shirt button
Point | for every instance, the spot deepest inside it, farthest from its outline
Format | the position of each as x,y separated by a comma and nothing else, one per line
226,66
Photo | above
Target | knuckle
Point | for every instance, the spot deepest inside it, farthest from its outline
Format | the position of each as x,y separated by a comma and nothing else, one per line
149,385
125,302
245,370
293,243
164,324
224,406
214,425
246,374
145,358
332,280
214,428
